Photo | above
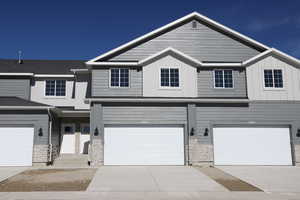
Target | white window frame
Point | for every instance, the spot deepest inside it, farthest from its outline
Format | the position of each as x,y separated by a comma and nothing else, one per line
214,78
169,87
119,77
54,96
273,88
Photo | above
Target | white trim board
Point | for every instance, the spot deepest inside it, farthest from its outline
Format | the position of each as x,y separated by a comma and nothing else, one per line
195,15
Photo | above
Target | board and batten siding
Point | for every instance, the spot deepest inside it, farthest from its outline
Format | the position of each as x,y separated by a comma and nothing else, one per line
101,87
15,87
187,79
202,43
255,80
205,82
255,114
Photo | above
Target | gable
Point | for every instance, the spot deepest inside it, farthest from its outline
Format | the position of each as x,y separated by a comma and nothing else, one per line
203,43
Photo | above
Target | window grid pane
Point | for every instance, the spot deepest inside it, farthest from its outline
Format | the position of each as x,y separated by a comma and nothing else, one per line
114,77
50,87
219,79
228,81
60,87
268,77
278,81
174,77
124,77
164,77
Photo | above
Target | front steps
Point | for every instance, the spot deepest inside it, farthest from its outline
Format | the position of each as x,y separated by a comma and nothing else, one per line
71,161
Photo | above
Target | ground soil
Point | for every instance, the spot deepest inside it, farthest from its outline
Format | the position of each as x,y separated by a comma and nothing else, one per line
49,180
228,181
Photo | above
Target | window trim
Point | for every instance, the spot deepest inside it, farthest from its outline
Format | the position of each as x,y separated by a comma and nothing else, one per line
273,88
54,96
109,78
169,87
214,78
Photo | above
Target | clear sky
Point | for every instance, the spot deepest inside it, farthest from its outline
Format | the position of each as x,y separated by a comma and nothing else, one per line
83,29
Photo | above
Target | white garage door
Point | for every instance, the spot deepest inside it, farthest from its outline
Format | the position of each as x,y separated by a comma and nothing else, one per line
16,145
252,146
143,146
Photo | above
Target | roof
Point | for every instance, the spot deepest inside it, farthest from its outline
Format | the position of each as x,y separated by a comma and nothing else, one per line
40,66
17,102
194,15
272,51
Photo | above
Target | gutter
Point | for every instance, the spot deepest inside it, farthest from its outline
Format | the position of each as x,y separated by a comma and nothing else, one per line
25,107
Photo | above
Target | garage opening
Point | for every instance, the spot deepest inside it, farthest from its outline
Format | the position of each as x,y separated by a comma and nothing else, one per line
252,146
143,146
16,146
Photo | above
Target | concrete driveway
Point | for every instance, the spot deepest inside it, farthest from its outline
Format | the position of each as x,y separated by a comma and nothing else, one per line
6,172
152,179
268,178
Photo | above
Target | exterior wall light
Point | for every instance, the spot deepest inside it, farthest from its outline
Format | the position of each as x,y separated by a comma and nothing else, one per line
192,132
298,133
40,132
96,132
206,132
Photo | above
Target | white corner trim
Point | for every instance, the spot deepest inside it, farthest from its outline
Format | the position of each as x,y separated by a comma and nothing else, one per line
16,74
189,16
54,75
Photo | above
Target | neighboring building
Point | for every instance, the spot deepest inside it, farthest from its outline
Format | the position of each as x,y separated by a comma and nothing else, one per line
190,92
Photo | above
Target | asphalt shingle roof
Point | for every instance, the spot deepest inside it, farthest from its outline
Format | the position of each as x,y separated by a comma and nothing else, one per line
16,101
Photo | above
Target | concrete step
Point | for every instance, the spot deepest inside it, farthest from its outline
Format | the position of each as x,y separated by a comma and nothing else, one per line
71,160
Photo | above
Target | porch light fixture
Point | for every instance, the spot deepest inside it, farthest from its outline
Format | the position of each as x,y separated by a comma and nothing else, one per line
206,132
96,132
298,133
40,132
192,132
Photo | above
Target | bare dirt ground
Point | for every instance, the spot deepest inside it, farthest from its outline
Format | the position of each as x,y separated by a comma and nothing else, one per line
49,180
228,181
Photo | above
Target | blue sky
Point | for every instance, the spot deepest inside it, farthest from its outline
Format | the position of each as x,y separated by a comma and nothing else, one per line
83,29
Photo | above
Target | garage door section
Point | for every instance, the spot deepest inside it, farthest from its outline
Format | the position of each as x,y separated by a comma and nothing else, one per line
143,146
252,146
16,145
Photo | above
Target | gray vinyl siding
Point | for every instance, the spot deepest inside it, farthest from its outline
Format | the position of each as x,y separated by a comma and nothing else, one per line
145,115
205,85
101,87
202,43
15,87
256,114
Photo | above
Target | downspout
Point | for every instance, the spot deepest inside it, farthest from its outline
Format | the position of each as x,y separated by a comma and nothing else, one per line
50,137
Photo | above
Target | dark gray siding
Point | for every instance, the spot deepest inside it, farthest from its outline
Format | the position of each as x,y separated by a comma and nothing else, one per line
100,84
205,81
202,43
15,87
256,114
144,115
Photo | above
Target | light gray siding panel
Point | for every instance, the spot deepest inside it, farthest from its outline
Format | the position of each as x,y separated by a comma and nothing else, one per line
205,81
15,87
100,84
202,43
144,115
255,114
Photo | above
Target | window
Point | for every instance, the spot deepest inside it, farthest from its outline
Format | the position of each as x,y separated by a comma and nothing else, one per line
169,77
119,77
223,79
273,78
55,88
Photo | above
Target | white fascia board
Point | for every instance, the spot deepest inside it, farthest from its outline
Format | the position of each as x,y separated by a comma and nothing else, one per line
54,75
16,74
113,63
194,14
257,56
79,70
25,107
160,100
75,111
222,65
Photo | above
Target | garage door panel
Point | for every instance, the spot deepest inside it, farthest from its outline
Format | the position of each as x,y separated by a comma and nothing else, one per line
252,146
16,146
143,146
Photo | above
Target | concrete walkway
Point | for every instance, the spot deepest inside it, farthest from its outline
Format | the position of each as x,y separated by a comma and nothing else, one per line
284,179
152,179
6,172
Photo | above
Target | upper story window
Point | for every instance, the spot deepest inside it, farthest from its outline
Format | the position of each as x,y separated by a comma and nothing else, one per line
169,77
119,77
55,88
273,78
223,79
